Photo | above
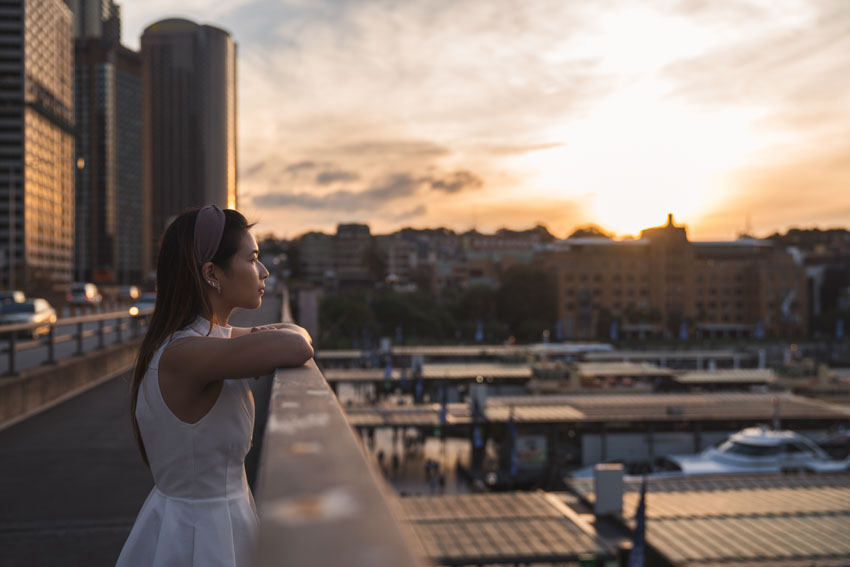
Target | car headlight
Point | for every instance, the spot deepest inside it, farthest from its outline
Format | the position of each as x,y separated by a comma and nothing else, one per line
134,311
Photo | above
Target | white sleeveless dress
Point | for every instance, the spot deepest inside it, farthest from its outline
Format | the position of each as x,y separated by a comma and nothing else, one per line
200,512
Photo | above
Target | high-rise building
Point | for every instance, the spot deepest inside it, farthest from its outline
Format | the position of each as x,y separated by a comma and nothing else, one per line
36,144
110,203
190,118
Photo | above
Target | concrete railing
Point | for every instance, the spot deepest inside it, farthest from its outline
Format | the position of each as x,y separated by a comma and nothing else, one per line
320,500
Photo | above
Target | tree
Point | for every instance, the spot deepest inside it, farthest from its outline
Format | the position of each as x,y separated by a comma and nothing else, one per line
528,293
590,231
344,316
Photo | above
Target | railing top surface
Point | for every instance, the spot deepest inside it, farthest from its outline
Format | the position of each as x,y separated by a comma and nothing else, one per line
319,498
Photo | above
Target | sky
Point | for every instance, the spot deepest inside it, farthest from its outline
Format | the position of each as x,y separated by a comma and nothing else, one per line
732,115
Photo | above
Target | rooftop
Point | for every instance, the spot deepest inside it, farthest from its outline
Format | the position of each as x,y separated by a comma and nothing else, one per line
782,520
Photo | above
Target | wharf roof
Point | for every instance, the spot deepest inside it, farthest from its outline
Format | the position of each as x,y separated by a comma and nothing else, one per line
434,372
628,355
507,528
733,376
571,347
787,520
608,408
591,369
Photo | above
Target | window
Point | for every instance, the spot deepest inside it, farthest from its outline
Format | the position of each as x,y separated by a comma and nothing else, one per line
749,450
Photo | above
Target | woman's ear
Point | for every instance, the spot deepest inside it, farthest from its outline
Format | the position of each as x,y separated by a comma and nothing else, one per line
208,272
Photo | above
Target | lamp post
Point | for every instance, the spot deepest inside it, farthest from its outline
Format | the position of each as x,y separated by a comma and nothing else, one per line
11,258
79,181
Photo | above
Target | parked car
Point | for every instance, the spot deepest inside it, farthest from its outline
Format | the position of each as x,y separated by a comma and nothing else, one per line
29,311
145,301
84,294
128,293
12,296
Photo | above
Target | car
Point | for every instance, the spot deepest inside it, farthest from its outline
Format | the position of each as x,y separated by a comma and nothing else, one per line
29,311
12,296
84,294
146,301
128,293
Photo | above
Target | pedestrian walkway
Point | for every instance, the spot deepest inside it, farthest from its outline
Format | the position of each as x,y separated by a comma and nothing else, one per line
71,479
411,476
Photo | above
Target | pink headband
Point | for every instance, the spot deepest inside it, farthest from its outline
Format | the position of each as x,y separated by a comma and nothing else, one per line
209,226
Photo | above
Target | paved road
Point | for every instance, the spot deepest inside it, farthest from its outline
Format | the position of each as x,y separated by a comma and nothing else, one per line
71,480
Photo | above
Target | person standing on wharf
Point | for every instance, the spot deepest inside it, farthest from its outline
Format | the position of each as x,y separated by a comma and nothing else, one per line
191,409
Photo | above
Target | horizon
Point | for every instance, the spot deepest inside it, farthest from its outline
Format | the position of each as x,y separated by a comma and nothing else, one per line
606,234
480,115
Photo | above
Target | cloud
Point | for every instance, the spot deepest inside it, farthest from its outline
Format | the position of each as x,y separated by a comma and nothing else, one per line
455,182
335,175
393,148
300,166
395,187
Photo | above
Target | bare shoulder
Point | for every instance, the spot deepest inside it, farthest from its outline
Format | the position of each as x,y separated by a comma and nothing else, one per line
207,359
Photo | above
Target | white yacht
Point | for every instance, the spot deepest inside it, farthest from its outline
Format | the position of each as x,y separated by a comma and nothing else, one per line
754,450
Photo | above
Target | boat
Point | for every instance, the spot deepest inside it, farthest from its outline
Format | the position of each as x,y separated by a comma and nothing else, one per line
755,450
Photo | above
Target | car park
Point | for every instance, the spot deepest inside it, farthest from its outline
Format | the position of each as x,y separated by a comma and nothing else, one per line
28,312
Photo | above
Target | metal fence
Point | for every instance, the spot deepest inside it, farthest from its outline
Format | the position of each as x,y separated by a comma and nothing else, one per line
122,323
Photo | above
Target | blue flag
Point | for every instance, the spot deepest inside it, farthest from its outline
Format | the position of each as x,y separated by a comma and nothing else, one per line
559,331
444,395
760,330
614,330
683,331
514,437
839,329
479,332
637,555
477,440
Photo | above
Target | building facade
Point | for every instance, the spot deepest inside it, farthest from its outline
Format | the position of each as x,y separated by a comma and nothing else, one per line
189,82
36,145
111,216
664,285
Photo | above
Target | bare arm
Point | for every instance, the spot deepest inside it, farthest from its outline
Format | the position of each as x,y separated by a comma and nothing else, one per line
200,360
240,331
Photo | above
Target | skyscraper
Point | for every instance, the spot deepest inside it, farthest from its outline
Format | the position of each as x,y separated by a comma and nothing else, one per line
36,144
190,118
110,202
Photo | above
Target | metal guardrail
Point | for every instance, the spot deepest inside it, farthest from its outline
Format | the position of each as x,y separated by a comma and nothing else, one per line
14,345
319,497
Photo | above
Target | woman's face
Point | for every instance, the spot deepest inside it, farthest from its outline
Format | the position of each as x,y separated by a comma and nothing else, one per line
243,283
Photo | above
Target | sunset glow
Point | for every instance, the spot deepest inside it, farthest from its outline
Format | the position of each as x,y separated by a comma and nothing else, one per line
479,115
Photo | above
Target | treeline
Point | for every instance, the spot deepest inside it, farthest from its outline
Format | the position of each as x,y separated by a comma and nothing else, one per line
523,307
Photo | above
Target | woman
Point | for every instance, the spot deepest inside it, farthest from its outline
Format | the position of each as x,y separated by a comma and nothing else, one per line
193,414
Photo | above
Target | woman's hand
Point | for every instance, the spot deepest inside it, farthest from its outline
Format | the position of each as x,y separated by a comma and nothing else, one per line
291,326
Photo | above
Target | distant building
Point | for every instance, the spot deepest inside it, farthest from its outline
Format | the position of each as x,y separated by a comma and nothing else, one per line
36,145
189,82
315,257
112,218
353,252
664,285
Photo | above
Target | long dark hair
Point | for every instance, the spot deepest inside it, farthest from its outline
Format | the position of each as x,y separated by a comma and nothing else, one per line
180,296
